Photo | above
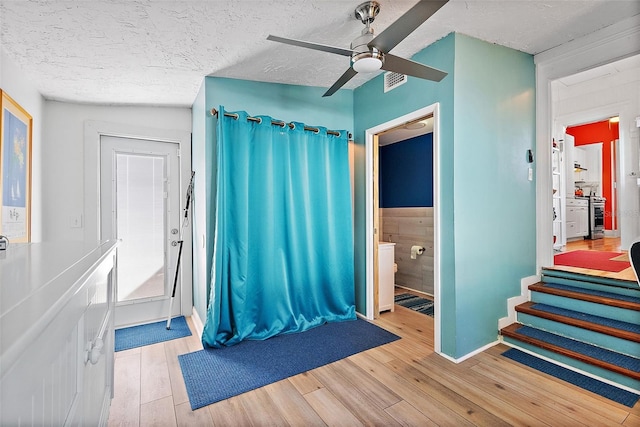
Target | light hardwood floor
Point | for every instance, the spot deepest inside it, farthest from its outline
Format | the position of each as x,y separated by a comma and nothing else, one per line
402,383
608,244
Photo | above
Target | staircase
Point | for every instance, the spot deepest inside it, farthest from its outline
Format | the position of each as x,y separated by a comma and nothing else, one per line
587,323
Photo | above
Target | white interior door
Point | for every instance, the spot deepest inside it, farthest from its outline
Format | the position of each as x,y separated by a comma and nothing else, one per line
139,205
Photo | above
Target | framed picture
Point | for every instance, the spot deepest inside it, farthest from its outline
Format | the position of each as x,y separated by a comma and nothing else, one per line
15,170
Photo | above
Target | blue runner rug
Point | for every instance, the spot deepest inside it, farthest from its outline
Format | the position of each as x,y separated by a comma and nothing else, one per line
212,375
152,333
415,303
603,389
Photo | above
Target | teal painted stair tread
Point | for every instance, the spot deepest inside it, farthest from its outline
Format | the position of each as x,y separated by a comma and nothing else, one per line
598,320
596,308
610,357
600,336
616,285
594,292
622,307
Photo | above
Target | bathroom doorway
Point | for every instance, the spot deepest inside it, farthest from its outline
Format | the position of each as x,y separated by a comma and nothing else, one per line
423,121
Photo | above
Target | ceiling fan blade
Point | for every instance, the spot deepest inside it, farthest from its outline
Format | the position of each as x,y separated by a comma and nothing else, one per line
406,24
411,68
311,45
348,75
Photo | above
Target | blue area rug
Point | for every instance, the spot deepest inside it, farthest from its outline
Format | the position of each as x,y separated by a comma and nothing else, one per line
608,391
152,333
415,303
212,375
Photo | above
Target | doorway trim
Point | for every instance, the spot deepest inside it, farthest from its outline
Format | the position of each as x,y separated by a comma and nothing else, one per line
598,114
601,47
93,130
434,110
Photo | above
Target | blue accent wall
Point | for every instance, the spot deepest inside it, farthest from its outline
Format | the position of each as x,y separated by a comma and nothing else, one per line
495,203
406,173
282,102
486,207
487,121
373,107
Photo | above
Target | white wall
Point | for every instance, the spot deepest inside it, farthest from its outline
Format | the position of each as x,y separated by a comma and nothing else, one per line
63,171
20,89
604,46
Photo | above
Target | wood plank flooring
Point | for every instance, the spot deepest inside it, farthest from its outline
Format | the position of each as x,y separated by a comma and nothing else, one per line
403,383
607,244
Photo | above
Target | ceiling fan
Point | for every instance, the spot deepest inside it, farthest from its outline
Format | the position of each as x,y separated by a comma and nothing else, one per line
370,53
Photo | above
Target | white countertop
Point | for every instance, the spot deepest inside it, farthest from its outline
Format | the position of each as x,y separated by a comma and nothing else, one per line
30,269
37,279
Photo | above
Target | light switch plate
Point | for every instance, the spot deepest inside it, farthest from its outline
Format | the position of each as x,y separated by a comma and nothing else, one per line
530,174
75,221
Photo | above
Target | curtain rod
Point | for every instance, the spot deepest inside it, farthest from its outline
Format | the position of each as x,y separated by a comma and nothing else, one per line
214,112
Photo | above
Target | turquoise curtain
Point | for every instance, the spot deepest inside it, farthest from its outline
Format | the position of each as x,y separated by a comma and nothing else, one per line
283,250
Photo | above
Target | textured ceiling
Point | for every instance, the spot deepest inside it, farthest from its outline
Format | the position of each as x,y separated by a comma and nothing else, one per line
157,52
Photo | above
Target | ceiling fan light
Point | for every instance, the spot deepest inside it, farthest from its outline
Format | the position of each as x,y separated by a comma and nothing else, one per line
367,65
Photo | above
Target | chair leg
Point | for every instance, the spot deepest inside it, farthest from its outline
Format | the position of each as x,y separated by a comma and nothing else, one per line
634,258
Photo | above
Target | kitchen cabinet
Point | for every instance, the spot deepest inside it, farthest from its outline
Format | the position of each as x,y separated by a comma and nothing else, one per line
57,341
588,177
577,218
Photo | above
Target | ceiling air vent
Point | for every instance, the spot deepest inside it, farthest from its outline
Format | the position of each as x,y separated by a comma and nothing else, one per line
392,80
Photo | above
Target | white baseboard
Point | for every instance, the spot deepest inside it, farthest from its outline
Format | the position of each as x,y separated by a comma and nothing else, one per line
524,296
414,290
611,233
468,355
197,322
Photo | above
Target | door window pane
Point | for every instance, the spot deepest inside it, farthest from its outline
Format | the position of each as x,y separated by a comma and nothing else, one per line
140,225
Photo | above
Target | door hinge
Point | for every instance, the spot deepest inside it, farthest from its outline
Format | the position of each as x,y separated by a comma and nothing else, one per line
178,152
166,194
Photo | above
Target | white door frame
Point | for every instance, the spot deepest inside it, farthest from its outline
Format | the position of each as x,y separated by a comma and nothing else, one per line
601,47
370,232
93,130
604,112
